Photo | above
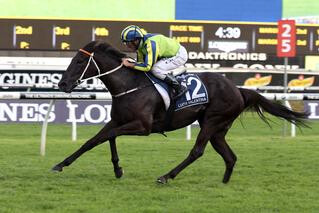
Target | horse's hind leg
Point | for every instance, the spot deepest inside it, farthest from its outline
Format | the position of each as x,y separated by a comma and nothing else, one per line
115,159
219,143
196,152
210,126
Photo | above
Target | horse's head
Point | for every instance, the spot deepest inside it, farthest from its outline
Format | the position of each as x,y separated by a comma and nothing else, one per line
93,60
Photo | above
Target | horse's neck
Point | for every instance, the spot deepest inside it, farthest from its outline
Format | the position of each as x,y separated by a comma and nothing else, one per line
122,80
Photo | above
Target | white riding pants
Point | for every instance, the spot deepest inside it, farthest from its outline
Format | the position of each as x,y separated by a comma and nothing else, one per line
164,66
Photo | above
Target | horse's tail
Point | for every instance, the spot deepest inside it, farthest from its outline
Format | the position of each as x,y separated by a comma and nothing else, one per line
259,103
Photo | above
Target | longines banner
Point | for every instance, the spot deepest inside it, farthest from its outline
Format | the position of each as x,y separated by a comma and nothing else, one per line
47,78
84,112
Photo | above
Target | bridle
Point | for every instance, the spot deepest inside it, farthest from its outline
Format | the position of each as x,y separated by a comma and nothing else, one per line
80,80
91,55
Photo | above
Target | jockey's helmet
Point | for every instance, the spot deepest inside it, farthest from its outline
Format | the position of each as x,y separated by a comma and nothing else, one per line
131,33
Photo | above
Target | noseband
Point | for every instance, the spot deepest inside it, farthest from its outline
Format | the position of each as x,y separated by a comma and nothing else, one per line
91,55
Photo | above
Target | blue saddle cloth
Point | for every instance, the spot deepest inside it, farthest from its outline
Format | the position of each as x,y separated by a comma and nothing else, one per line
196,94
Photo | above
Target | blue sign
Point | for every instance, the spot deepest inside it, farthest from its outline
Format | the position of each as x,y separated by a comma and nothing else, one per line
229,10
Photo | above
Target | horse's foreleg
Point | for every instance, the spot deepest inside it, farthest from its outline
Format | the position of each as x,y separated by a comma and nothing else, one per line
115,159
135,127
104,134
195,153
219,143
109,131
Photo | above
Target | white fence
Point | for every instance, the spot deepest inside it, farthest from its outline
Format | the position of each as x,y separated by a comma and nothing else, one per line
53,96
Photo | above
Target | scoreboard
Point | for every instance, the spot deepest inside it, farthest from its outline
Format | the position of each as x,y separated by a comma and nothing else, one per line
70,35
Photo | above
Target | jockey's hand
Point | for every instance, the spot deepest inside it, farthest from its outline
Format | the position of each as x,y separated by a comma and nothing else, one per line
128,62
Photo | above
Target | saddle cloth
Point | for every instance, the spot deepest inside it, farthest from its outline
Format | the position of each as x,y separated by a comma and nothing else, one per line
196,94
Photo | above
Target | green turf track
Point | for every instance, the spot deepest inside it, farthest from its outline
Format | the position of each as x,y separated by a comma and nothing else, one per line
273,174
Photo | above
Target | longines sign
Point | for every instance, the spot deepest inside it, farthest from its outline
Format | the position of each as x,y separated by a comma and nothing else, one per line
84,112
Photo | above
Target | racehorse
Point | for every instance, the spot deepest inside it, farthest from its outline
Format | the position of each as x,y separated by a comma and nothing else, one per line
138,109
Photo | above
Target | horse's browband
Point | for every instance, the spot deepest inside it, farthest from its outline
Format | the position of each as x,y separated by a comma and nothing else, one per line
85,52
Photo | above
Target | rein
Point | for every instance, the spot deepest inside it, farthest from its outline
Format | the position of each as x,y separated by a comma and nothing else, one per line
91,55
131,90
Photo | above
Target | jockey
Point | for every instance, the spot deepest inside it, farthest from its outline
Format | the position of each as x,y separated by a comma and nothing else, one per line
156,53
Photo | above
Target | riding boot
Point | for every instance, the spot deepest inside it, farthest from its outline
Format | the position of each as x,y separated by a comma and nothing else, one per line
172,82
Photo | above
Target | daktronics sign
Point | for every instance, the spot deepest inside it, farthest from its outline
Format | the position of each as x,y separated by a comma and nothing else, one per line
286,37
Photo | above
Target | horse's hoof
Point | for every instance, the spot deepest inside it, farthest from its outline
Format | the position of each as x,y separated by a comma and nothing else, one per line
119,172
225,181
227,175
57,168
161,180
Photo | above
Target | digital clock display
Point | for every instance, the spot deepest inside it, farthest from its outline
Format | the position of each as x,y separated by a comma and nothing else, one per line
228,32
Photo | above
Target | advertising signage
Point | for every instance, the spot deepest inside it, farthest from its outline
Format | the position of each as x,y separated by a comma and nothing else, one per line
84,112
201,37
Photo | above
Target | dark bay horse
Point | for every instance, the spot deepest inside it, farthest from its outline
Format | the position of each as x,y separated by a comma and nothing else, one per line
138,109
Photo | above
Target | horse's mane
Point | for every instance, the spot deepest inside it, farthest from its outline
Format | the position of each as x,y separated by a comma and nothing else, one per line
106,48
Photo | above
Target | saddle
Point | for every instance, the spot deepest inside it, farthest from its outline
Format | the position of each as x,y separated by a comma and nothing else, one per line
196,94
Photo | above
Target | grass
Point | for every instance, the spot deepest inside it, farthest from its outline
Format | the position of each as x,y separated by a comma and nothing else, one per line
273,173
